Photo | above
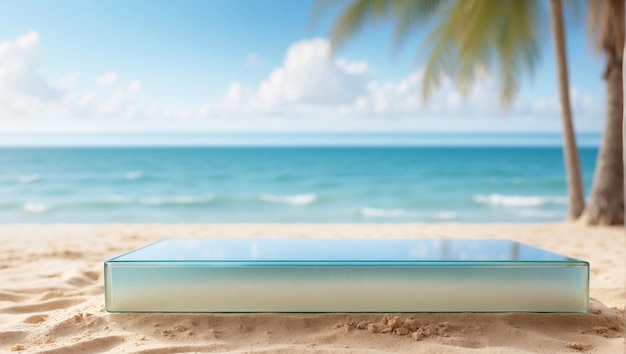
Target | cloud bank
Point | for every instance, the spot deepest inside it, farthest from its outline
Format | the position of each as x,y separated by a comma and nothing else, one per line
308,86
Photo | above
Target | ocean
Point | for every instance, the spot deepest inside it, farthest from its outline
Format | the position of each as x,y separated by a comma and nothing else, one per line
345,184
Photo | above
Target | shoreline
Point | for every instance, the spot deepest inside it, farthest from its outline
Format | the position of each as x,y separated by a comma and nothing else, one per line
51,297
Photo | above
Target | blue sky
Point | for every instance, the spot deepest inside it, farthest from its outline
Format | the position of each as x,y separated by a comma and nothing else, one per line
251,66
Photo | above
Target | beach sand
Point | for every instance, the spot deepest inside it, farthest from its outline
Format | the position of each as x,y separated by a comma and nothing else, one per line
51,297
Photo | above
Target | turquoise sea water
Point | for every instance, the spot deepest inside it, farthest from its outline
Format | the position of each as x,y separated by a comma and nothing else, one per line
285,184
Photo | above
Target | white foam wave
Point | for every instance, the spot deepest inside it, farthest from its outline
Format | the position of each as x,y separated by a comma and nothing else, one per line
518,200
298,199
28,178
183,199
543,214
446,215
118,199
35,208
386,213
133,175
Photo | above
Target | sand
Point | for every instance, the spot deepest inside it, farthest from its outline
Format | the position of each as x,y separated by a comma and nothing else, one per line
51,297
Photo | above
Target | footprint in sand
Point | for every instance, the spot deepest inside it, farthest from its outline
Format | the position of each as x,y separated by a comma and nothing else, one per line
36,319
92,275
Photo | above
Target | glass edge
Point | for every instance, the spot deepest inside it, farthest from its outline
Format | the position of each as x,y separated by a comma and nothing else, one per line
426,264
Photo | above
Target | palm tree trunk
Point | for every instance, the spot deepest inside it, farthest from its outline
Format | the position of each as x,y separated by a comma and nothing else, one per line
606,205
624,120
570,151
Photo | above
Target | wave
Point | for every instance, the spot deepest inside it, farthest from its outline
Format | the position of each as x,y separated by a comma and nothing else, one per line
35,208
28,178
386,213
403,213
543,214
445,215
519,200
297,199
133,175
183,199
118,199
169,200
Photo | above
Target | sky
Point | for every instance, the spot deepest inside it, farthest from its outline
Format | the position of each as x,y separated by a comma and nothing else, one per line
136,66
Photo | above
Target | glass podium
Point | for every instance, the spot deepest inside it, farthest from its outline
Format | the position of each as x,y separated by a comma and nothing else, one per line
344,275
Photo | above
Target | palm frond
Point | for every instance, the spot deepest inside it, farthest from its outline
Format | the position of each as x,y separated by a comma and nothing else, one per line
442,46
356,16
487,36
412,14
476,39
518,45
321,7
468,37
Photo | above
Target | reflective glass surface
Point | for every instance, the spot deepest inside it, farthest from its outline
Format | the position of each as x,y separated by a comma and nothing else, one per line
345,250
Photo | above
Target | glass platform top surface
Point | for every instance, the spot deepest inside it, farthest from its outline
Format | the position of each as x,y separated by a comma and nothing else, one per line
260,251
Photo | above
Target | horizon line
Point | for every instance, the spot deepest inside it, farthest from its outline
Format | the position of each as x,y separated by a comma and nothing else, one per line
282,139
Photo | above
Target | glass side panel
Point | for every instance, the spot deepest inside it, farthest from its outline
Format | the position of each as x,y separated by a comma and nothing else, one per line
311,250
344,275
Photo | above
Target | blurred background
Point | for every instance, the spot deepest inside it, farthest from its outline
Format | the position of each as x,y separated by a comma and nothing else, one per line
304,111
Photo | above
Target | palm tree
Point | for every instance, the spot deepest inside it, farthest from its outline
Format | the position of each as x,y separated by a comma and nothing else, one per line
570,152
606,204
624,125
468,37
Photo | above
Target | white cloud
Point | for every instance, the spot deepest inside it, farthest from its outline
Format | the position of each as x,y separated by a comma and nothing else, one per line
310,82
237,97
120,102
354,68
204,110
308,76
582,105
88,98
106,79
22,89
134,86
404,98
28,39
